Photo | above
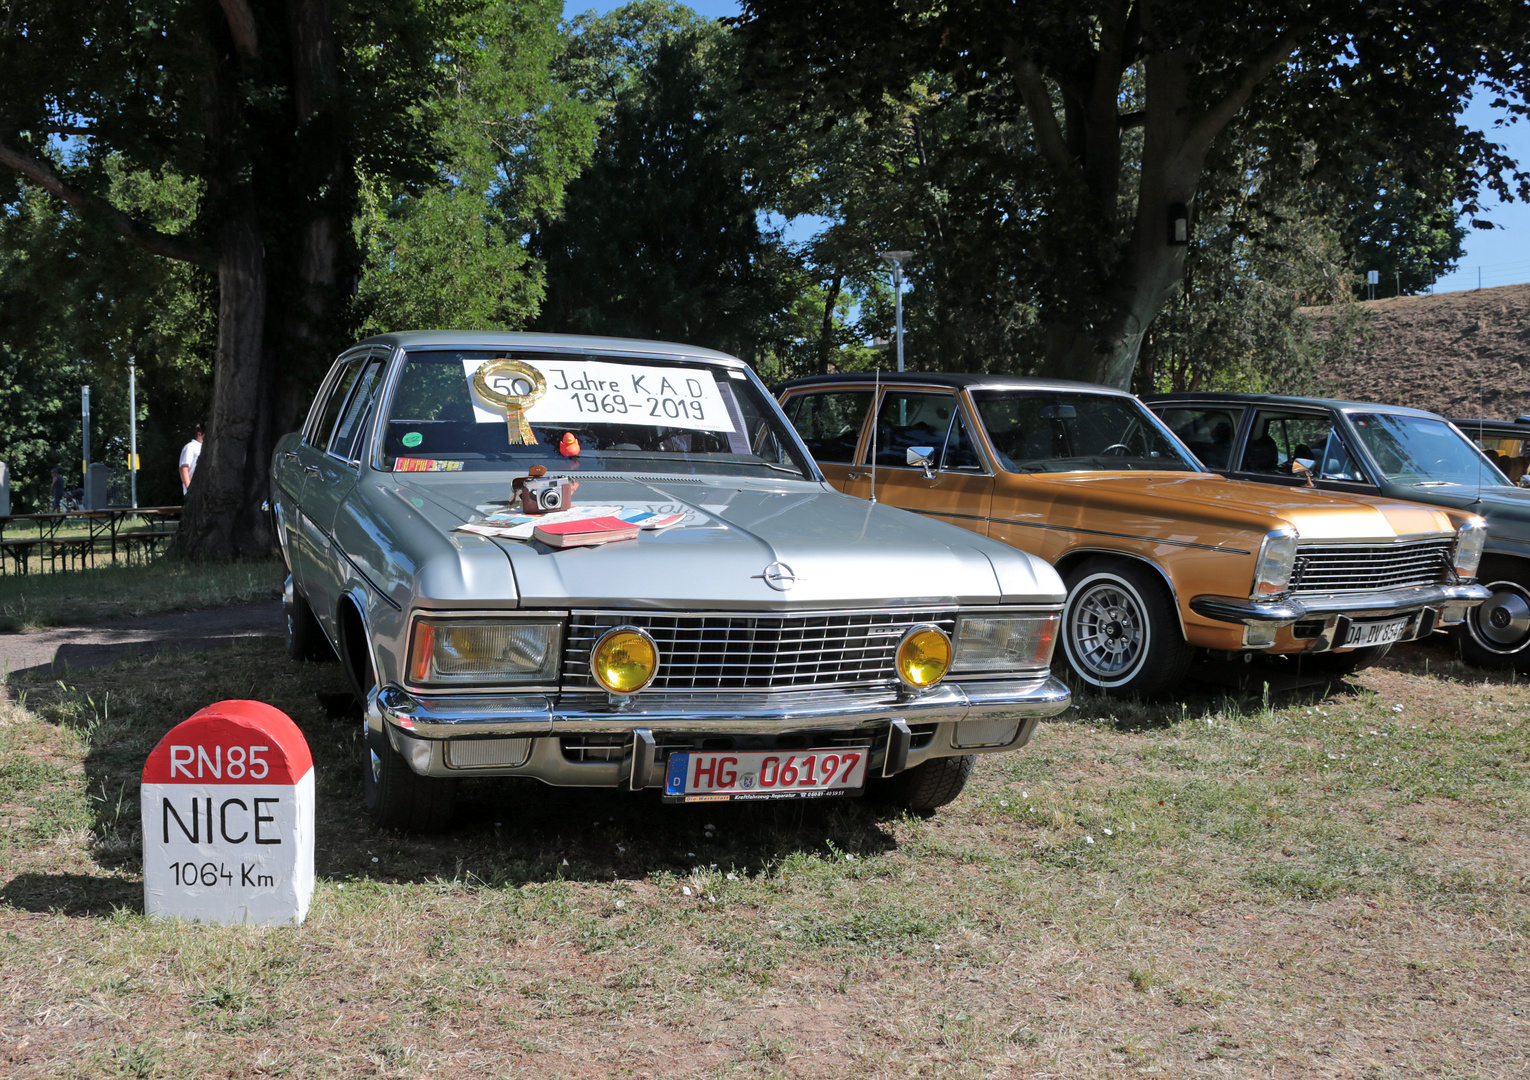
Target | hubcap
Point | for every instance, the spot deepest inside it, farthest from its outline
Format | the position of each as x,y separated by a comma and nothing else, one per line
1503,620
1107,630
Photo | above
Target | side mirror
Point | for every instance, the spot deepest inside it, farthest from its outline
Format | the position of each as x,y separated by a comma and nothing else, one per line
1303,468
1524,481
921,457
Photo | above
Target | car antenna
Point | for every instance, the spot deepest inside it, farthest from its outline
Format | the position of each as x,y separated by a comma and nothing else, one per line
876,394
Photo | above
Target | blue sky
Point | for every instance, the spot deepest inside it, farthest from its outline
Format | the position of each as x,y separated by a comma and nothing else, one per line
1500,256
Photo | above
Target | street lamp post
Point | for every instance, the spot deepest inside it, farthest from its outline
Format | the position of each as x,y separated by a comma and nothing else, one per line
896,259
133,430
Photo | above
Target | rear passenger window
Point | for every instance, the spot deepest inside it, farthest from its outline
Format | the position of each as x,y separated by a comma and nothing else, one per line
324,424
830,422
1206,430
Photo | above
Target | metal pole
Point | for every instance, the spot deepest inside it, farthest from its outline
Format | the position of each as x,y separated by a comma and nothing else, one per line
133,431
898,285
85,429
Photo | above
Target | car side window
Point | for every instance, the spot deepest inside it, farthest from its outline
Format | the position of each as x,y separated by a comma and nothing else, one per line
830,422
960,455
1278,439
346,441
910,418
324,424
1206,429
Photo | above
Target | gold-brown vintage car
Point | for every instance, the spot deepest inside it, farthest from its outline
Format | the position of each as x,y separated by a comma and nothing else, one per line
1159,556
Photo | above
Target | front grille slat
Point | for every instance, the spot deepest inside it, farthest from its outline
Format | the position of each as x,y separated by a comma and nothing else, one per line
1342,568
757,652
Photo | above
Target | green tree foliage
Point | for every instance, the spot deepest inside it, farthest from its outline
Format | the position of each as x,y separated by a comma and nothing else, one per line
1118,107
455,252
76,305
270,108
661,236
1409,236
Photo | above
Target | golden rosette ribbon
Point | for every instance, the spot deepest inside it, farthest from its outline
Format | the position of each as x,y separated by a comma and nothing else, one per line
514,386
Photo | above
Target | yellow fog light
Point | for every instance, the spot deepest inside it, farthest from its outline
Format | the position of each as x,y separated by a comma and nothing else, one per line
624,660
924,656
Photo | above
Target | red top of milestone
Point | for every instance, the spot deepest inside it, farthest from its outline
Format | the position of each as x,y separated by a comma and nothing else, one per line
231,742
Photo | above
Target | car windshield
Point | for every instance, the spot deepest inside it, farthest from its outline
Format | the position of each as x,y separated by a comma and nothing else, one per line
1053,431
504,410
1424,452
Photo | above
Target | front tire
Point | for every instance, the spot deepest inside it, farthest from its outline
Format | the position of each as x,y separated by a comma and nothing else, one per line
1121,629
399,798
927,787
1496,633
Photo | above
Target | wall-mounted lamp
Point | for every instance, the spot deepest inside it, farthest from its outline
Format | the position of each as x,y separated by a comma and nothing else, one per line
1179,224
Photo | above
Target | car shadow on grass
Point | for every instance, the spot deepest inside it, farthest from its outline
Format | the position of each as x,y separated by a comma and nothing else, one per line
73,895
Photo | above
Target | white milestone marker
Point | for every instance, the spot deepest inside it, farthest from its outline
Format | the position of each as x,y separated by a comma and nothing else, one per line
228,818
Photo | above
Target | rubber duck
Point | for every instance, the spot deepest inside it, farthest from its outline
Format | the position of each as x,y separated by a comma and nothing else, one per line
569,446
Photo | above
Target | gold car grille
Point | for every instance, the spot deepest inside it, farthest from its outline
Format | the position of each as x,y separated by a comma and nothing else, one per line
700,652
1344,568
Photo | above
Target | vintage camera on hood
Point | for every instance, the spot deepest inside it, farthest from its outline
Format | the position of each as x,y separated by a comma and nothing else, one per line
543,494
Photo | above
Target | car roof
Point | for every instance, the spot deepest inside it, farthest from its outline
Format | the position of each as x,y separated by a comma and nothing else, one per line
957,380
580,343
1212,397
1520,426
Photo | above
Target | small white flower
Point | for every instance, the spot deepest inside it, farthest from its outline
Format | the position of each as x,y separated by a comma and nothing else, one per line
690,854
621,847
1088,839
621,903
937,948
374,858
1397,708
1109,833
686,889
565,862
732,877
849,858
1025,794
340,886
1003,803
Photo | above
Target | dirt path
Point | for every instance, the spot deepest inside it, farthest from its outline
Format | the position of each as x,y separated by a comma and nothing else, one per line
63,648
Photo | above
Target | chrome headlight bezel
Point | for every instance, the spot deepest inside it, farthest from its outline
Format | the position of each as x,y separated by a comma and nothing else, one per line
1275,565
529,653
1004,644
598,649
1471,539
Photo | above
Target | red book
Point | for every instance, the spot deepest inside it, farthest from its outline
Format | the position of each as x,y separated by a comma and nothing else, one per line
601,530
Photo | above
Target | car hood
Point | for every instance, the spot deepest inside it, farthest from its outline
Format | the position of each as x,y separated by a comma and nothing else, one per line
1209,499
826,549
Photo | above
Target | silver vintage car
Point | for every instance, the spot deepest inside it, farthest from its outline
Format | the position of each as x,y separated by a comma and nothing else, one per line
608,563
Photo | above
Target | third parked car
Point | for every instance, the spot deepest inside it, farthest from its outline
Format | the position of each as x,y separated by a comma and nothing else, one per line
1158,555
1387,450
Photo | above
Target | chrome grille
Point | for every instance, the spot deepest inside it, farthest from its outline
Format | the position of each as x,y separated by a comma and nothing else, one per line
1341,568
756,652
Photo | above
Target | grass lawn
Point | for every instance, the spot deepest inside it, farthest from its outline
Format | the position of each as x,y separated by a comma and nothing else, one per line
72,597
1314,883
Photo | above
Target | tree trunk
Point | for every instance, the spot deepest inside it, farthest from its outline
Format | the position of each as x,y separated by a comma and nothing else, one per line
223,518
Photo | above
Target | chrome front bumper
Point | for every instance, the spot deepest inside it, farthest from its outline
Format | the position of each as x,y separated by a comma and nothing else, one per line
522,735
1356,605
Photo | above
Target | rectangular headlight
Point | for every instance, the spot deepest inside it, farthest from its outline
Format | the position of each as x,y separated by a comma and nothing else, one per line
484,652
1277,560
998,644
1469,544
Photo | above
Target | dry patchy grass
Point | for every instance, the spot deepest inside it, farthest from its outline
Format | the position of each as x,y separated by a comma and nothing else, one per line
118,591
1315,883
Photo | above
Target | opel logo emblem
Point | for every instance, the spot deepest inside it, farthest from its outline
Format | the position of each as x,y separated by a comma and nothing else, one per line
778,576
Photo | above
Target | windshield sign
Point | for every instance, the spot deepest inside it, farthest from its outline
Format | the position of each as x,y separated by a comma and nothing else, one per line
455,410
1424,452
1049,431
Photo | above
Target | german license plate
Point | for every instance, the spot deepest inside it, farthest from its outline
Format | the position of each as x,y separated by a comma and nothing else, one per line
762,775
1375,633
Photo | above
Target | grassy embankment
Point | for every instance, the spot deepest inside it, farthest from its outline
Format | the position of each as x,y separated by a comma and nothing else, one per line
1311,883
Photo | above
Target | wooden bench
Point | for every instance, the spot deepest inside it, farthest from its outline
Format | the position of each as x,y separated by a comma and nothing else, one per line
70,549
18,551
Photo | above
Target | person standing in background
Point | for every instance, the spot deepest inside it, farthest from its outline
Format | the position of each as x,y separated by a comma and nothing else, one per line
189,454
58,489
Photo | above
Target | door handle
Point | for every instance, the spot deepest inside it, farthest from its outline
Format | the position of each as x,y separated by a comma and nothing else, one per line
311,470
856,475
290,455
